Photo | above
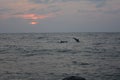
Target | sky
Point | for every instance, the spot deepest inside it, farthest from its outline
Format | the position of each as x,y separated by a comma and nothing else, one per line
17,16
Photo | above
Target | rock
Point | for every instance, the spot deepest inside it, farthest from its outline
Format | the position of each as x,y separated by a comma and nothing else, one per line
74,78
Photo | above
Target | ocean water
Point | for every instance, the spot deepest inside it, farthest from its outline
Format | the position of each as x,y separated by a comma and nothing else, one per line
41,56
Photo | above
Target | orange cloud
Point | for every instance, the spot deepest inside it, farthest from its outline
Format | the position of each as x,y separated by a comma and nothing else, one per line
35,16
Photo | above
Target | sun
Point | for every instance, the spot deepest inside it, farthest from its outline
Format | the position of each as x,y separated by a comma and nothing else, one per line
33,23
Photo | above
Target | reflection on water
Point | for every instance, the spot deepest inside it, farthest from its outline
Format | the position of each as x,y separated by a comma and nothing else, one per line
40,56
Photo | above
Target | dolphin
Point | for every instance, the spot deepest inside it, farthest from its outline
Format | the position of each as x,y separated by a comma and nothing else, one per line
63,41
77,40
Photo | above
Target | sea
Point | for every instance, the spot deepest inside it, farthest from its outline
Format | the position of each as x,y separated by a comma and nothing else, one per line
42,56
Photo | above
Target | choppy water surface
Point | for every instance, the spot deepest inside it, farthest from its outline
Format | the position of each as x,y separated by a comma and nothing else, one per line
40,56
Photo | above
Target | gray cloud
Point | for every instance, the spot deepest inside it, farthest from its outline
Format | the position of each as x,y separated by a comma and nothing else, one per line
50,9
99,3
40,1
5,10
112,11
50,1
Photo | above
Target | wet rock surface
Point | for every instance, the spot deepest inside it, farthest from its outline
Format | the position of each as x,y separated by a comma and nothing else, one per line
74,78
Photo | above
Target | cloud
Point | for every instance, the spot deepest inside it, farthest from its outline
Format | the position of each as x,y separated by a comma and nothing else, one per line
46,10
5,10
35,16
100,7
98,3
40,1
111,7
31,18
117,11
50,1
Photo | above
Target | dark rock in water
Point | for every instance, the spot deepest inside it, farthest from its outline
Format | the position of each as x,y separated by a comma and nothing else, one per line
74,78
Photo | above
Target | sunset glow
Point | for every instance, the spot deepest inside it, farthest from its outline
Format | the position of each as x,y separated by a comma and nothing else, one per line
35,16
33,23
